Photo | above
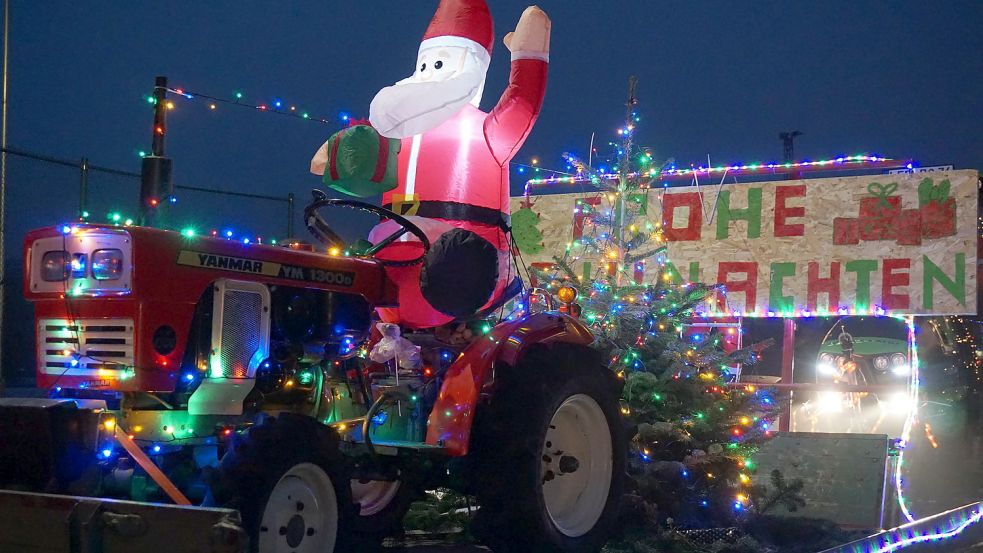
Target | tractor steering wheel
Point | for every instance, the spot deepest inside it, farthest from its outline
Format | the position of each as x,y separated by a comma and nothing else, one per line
323,232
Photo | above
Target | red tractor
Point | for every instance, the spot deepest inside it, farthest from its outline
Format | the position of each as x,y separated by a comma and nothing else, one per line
204,371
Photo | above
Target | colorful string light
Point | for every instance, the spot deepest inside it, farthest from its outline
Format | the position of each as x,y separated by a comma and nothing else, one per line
859,161
277,106
120,220
904,536
913,389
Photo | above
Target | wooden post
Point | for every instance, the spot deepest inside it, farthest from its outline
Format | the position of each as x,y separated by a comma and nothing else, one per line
788,358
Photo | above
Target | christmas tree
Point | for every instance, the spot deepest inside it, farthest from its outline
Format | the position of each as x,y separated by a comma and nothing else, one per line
692,455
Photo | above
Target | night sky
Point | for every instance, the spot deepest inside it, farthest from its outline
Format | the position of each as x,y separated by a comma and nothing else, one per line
901,79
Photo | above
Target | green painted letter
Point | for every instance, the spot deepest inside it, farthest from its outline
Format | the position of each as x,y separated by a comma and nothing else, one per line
694,271
863,268
955,286
751,214
776,301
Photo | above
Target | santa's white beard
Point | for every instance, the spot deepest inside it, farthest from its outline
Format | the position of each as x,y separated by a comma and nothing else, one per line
412,107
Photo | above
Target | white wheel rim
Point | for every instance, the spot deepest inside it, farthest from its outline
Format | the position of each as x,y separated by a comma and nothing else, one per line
575,500
373,496
301,515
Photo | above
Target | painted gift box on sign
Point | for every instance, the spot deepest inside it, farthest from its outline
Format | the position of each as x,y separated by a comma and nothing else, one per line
882,218
898,244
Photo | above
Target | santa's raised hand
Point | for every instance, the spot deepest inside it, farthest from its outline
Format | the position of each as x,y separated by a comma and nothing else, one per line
532,33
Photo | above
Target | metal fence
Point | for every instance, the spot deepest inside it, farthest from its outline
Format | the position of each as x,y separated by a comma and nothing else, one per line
131,180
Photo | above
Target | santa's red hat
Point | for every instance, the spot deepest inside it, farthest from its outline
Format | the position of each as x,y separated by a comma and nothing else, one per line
466,23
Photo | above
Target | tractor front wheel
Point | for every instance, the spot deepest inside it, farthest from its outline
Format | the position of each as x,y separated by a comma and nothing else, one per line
550,451
290,483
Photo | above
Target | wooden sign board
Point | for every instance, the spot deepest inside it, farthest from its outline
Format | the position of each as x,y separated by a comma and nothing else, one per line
884,244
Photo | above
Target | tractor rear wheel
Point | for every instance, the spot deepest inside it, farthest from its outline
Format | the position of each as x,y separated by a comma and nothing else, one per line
290,483
550,453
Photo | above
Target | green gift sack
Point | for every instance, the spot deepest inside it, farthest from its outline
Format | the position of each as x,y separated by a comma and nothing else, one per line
361,162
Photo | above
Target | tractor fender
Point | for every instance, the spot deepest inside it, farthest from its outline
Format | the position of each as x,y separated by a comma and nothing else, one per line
449,424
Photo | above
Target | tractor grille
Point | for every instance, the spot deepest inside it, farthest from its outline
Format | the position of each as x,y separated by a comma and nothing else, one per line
242,334
84,347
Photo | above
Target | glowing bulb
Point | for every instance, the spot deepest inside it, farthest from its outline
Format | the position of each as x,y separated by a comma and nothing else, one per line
334,251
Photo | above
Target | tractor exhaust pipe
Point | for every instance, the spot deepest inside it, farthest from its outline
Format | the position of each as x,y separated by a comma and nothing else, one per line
156,187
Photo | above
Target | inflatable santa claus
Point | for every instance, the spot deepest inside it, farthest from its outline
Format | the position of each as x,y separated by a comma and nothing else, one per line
453,163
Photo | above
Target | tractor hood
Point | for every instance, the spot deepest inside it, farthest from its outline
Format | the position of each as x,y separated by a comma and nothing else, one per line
866,346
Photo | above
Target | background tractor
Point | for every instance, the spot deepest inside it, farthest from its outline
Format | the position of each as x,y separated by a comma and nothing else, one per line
208,372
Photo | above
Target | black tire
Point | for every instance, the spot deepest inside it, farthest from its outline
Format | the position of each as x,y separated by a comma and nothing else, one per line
259,457
508,448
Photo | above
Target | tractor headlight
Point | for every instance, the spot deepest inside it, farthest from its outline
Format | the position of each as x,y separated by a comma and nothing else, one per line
107,264
88,261
899,364
881,362
898,403
55,266
78,265
826,365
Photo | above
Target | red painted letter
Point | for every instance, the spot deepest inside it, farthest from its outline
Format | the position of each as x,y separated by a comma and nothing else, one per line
749,285
782,212
890,279
695,224
816,285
